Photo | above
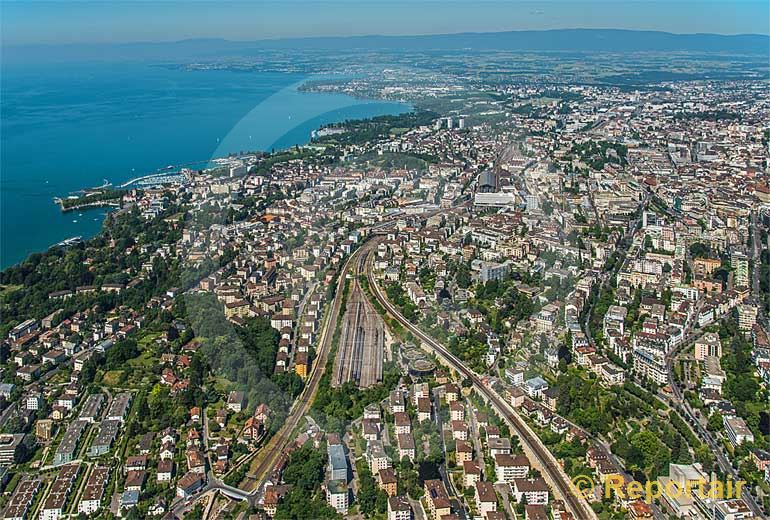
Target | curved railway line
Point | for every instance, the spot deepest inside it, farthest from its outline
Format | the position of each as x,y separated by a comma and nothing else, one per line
273,450
275,447
551,469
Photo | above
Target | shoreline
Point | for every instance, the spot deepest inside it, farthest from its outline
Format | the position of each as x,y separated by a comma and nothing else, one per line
307,139
90,205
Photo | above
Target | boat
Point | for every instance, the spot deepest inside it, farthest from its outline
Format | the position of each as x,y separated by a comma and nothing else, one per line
69,242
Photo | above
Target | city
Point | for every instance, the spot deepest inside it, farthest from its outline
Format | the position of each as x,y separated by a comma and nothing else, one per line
524,298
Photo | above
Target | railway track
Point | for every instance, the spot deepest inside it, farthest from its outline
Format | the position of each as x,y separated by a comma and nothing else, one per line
361,346
277,444
559,481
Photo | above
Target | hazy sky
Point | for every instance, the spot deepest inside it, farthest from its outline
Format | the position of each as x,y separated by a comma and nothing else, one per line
30,21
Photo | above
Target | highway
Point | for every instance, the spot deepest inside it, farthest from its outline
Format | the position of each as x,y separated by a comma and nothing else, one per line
551,470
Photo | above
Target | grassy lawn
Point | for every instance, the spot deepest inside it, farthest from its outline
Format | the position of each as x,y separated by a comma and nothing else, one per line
112,378
146,360
223,385
149,339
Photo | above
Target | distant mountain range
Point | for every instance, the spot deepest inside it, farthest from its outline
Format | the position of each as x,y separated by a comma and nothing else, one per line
551,40
575,40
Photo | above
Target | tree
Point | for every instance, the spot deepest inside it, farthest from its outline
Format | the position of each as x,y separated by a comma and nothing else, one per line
715,422
463,276
305,473
699,250
305,469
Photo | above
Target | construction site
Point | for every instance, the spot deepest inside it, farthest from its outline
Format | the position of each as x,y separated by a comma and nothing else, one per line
362,339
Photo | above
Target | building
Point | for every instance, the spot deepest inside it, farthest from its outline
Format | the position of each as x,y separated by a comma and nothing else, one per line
376,456
486,498
463,451
128,500
471,473
273,496
119,407
21,501
535,490
92,408
747,316
650,365
397,402
737,430
338,463
535,387
406,446
301,364
69,443
337,495
108,431
93,494
387,481
437,499
423,409
236,401
165,470
489,271
59,492
708,345
399,508
456,411
459,431
9,444
189,484
44,429
402,423
509,467
498,445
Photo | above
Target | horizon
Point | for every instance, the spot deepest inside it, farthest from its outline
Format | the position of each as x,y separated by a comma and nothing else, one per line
378,35
96,23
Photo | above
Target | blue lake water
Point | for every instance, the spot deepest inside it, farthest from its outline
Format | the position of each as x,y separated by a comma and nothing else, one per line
68,127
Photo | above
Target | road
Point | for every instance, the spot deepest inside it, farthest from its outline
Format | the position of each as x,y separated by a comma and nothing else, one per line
756,255
626,241
442,469
551,470
276,446
684,408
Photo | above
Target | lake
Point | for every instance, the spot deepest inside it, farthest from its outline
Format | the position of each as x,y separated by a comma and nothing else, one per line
70,126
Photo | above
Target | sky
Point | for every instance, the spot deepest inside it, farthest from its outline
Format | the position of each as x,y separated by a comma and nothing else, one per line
64,21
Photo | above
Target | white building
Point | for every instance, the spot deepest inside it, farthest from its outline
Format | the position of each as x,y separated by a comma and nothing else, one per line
399,508
337,495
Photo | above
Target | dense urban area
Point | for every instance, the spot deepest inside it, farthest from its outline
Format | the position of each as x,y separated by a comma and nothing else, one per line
452,313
